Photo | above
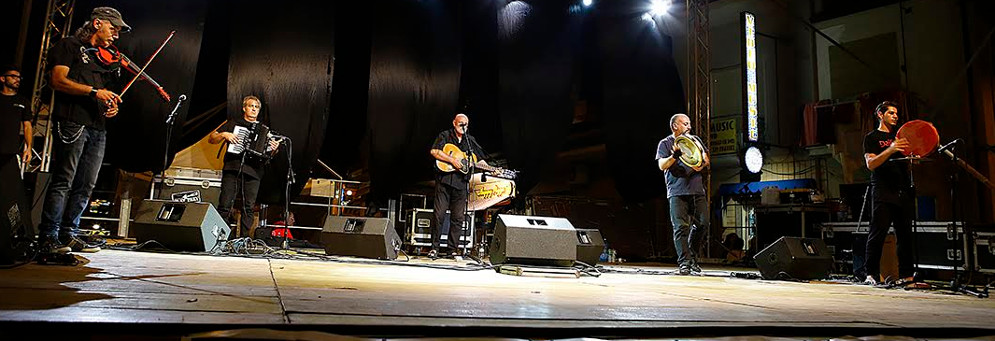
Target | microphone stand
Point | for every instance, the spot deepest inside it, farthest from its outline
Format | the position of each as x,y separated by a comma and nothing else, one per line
170,120
286,204
955,284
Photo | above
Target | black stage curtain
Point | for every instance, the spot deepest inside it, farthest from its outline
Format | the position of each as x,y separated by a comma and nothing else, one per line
136,137
535,70
209,98
413,89
479,72
641,90
347,120
284,55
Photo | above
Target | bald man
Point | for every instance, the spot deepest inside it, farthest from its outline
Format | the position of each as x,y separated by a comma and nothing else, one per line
451,187
686,194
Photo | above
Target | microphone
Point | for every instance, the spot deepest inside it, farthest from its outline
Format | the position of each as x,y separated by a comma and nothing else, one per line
949,145
179,102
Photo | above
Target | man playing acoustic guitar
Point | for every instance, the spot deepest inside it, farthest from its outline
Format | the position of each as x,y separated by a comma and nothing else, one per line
457,153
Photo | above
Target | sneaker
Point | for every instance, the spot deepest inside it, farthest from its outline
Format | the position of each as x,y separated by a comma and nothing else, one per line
684,270
78,245
433,255
870,280
52,246
694,268
457,256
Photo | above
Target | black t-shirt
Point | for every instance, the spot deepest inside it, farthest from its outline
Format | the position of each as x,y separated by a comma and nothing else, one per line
892,176
83,69
253,165
13,110
468,145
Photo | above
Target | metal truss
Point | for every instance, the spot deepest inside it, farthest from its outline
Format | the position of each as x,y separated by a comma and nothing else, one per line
699,79
58,18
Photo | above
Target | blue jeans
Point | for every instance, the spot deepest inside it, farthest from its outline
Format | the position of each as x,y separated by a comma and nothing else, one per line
77,152
689,215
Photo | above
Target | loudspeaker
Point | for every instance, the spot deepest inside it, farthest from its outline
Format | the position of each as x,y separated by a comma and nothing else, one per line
360,237
533,241
15,226
795,258
590,245
180,226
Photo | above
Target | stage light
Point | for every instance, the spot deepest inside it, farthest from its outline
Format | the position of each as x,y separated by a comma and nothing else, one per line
587,3
348,192
659,7
754,159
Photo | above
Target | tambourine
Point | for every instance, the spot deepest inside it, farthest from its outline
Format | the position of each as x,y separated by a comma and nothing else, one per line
922,138
690,151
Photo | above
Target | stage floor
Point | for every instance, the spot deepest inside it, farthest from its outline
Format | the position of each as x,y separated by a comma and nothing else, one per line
199,292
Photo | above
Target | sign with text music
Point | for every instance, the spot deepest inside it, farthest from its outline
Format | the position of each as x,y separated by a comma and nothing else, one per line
723,136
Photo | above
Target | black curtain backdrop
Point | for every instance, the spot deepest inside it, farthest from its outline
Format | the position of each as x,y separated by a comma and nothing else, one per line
641,89
284,56
413,89
342,149
479,73
535,70
208,101
136,137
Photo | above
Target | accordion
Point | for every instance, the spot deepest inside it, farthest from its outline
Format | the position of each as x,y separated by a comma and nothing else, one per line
253,139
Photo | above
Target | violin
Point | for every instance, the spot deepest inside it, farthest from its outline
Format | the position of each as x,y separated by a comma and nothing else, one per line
110,56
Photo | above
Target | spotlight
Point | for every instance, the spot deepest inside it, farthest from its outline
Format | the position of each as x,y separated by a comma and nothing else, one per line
659,7
348,192
587,3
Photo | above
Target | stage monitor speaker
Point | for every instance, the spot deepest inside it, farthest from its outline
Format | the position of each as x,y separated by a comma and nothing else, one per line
16,232
180,226
590,245
532,240
795,258
360,237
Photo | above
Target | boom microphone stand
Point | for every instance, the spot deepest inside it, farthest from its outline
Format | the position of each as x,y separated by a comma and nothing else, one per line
955,284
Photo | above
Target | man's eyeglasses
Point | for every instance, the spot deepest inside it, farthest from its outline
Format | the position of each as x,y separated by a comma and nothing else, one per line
13,76
463,125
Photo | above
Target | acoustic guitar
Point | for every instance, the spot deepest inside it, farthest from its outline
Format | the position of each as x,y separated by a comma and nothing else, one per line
454,151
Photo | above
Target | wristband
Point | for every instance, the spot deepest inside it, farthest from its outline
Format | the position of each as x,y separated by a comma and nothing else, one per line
93,92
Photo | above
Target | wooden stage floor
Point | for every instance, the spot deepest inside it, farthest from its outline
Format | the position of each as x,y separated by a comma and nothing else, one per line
184,293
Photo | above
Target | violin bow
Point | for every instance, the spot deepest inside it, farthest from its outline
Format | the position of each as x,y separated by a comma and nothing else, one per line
142,71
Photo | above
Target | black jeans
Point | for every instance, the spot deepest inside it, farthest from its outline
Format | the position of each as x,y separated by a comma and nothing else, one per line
452,199
232,187
689,216
883,215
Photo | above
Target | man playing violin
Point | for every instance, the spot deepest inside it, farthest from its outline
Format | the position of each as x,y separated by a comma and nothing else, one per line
451,187
83,102
891,193
685,192
240,170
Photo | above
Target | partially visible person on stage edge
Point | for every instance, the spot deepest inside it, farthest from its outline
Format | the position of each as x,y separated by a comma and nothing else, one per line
15,113
891,193
240,180
451,187
686,193
83,102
